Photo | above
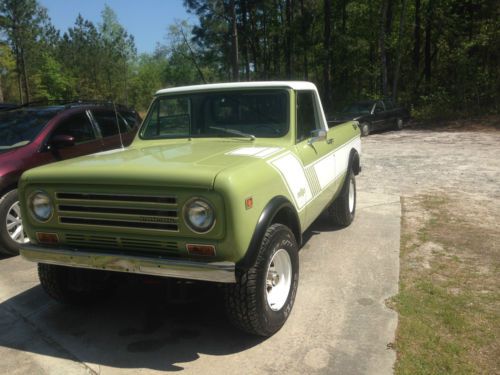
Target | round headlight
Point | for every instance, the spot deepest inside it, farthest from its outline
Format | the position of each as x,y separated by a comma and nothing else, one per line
199,215
41,206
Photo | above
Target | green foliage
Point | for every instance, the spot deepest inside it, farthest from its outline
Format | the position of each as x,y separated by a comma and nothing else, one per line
449,52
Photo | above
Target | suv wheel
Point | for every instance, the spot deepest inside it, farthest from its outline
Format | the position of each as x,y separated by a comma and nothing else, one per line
262,298
343,208
12,234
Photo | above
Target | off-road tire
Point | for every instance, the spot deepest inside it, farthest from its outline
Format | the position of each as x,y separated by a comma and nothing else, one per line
246,301
7,245
74,286
365,129
341,212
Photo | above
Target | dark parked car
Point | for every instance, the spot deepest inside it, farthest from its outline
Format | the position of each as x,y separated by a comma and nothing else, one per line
373,115
34,135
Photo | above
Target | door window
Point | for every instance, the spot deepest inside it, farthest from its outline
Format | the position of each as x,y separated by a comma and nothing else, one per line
77,126
107,122
307,115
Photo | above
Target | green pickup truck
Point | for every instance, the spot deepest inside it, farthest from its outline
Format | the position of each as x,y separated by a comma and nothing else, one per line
219,185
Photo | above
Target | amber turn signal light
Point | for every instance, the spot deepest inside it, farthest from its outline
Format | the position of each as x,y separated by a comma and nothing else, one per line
47,238
204,250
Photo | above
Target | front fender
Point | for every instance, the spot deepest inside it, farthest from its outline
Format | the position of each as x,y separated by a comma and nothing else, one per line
275,207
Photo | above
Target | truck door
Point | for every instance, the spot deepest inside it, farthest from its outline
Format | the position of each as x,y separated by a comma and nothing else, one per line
315,144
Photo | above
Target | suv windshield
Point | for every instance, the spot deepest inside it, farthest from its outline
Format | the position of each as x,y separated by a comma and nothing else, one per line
20,127
248,113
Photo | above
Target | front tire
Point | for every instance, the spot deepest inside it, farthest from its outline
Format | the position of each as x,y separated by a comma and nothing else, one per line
263,296
74,286
12,234
343,209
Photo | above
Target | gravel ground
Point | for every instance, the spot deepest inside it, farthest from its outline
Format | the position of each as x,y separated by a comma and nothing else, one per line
463,164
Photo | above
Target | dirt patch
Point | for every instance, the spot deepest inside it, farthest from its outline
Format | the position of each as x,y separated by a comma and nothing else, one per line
484,123
449,300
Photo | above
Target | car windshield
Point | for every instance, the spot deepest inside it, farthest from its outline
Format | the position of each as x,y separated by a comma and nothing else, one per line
20,127
243,113
360,107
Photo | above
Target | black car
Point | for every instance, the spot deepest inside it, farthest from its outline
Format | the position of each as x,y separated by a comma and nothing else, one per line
372,115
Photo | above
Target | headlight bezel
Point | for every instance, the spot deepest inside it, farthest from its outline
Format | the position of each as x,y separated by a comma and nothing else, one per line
31,206
189,223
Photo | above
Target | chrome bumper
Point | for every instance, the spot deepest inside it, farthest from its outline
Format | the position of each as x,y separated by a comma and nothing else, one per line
222,272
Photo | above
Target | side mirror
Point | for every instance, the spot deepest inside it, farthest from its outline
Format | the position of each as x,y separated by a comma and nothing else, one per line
317,135
62,141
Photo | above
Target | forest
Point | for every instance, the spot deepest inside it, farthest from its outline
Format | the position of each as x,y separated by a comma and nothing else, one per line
440,58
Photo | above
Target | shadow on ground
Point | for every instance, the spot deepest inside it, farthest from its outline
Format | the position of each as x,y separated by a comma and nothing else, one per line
147,323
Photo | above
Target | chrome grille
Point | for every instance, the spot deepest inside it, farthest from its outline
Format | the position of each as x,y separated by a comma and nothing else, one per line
112,242
151,212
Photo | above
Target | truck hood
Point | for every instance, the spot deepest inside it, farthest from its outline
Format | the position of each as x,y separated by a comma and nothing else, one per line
184,163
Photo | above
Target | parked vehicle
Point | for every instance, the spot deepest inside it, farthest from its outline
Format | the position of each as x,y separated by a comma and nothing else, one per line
373,115
34,135
8,106
219,185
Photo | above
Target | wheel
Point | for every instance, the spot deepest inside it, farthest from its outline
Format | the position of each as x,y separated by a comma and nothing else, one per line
343,208
365,129
263,296
74,286
399,124
12,234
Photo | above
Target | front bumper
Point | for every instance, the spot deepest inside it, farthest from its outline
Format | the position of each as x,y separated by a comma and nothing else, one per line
222,272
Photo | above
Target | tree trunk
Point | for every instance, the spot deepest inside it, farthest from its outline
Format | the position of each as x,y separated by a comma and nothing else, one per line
416,33
427,49
305,40
399,52
382,49
244,12
327,41
234,42
289,38
25,75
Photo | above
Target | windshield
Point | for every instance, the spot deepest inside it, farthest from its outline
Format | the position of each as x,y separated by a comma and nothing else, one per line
248,114
18,128
361,107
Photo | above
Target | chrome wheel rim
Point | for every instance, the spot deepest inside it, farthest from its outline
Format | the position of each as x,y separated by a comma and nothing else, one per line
279,279
14,224
351,196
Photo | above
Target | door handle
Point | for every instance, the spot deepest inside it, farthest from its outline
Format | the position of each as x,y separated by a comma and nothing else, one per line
329,141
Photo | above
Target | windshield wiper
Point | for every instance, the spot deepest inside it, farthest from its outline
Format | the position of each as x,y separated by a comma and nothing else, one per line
234,132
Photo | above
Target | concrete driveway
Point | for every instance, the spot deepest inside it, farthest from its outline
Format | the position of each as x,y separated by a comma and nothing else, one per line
339,324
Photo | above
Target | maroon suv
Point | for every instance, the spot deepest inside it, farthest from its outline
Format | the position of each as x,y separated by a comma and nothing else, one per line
36,135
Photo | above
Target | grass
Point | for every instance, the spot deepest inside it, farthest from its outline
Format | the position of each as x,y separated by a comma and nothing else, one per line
449,299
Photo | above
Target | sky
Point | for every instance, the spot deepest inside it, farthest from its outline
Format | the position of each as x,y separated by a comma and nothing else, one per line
146,20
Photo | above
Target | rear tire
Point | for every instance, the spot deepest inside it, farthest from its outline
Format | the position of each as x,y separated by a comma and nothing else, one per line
399,124
343,209
12,235
74,286
365,129
263,296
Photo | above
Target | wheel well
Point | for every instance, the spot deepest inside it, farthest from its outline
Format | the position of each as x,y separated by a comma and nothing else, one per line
354,162
7,189
288,217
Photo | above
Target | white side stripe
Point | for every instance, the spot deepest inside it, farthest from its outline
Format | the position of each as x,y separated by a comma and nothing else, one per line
292,172
305,183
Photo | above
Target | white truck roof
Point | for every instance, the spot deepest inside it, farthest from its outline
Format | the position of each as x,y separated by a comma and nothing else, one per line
295,85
